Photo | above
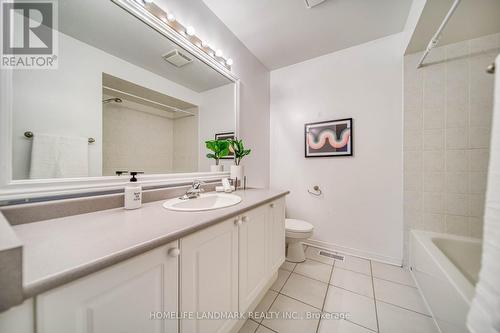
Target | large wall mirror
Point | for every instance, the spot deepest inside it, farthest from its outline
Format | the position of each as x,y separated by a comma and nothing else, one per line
123,98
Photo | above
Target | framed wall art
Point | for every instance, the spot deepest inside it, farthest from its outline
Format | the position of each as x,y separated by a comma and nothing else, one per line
226,136
329,138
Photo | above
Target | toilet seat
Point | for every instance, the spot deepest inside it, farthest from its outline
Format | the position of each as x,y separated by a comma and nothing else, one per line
298,226
298,229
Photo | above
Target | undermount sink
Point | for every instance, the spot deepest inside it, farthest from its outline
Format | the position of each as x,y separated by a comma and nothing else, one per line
206,201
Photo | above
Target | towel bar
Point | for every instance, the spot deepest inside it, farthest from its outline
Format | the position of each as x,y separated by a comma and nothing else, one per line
30,134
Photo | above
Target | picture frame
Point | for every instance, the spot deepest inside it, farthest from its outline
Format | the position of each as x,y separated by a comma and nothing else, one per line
332,138
226,136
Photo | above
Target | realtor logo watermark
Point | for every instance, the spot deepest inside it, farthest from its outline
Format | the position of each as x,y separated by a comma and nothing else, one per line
29,34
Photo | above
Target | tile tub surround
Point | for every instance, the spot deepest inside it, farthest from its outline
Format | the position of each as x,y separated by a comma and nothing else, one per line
447,122
382,298
61,250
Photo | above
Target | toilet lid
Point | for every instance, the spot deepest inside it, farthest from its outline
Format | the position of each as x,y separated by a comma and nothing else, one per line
298,225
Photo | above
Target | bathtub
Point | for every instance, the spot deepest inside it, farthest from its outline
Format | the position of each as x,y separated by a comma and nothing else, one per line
446,268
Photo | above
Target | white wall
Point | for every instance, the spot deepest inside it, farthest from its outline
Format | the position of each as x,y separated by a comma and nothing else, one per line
361,207
216,116
254,96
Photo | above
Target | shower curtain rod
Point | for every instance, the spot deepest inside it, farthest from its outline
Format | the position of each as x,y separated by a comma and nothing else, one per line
435,39
149,101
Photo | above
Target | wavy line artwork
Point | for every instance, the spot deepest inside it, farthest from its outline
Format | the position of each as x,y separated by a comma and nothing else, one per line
330,136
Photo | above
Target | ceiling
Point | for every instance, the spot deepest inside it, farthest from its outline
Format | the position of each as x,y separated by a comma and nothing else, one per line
285,32
472,19
108,27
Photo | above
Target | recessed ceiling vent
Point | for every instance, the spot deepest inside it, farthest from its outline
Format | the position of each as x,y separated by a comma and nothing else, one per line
312,3
177,58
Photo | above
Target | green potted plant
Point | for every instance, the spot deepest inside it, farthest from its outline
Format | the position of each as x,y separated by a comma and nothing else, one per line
237,147
219,149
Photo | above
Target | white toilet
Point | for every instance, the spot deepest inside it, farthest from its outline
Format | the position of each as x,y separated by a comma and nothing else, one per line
296,232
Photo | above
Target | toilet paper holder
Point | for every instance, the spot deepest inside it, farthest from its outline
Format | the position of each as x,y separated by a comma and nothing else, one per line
317,191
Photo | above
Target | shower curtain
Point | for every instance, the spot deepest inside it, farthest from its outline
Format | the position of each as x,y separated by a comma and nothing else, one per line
484,314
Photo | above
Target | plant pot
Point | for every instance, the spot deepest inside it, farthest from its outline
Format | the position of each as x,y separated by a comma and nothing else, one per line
217,168
237,171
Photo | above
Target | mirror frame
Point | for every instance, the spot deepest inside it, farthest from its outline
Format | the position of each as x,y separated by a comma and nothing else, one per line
28,190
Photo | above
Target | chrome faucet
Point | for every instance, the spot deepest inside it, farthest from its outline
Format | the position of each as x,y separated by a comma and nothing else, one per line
194,191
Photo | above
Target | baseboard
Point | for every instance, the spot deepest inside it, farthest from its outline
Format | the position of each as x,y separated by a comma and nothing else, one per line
355,252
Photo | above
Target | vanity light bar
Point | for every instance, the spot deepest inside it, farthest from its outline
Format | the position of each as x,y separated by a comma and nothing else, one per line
188,32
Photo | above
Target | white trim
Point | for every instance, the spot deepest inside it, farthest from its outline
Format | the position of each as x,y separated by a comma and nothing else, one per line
355,252
28,189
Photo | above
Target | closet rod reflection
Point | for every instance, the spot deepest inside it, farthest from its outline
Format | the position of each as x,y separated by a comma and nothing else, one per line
30,134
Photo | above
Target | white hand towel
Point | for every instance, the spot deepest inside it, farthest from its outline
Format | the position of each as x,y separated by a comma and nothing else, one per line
59,157
484,314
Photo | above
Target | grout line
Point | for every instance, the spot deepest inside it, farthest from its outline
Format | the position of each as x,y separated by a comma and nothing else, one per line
298,300
370,329
324,263
374,298
306,276
399,306
350,270
351,291
278,292
326,294
401,284
267,328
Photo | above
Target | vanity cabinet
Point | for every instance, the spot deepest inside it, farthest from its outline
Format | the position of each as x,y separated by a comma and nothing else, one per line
122,298
262,249
276,232
209,277
222,269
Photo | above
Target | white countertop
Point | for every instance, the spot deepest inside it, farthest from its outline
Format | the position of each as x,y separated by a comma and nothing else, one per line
61,250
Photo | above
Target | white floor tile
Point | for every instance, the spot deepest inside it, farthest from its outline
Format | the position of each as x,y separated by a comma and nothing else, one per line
263,329
280,281
400,295
340,326
353,281
396,320
284,304
265,304
288,266
306,290
392,273
314,269
313,253
250,326
361,309
355,264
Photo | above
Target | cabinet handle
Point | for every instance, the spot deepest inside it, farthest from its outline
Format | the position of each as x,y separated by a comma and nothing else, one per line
237,222
245,219
272,205
174,252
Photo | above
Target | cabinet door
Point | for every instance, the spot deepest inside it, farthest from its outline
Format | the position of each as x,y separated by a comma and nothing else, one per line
209,277
254,258
121,298
276,233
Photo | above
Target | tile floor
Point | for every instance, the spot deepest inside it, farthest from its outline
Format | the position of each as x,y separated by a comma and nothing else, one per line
376,298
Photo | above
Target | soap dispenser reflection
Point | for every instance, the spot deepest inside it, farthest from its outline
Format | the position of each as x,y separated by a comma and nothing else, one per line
133,193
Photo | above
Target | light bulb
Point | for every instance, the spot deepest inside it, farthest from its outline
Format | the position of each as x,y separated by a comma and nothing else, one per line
204,44
218,53
171,17
190,31
148,1
229,62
